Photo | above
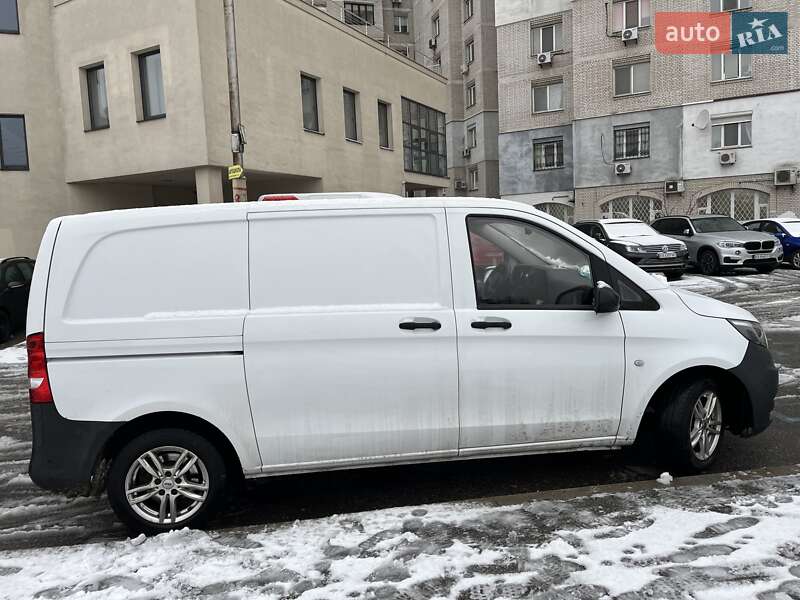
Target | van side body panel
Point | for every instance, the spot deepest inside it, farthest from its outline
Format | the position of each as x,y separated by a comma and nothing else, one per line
41,274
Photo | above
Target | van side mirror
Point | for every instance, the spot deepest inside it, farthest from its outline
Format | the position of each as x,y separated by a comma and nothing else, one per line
606,298
687,232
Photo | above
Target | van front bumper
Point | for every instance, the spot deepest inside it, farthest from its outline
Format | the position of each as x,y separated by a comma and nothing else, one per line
65,452
759,375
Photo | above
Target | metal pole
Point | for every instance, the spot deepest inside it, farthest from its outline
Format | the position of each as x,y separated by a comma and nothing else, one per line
237,137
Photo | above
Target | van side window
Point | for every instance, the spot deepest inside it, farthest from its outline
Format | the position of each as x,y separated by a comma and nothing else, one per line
519,265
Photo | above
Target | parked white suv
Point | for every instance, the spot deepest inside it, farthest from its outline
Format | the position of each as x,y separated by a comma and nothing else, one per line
172,348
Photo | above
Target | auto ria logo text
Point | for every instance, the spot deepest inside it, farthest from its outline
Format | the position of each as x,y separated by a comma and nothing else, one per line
722,33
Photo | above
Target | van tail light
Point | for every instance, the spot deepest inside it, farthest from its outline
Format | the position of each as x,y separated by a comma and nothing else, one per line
37,370
276,197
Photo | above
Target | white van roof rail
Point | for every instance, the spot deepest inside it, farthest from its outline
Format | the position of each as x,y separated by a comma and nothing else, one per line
328,196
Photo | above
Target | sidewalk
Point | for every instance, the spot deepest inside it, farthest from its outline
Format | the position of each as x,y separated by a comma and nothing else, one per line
736,538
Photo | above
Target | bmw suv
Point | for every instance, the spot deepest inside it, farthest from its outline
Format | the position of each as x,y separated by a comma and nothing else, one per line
719,243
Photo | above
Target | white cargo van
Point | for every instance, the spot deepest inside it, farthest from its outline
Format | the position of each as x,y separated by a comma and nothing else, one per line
172,348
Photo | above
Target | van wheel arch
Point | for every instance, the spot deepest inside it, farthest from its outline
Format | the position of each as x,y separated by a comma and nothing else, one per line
164,420
736,404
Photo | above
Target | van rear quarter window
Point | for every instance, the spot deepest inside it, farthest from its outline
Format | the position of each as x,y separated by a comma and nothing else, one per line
347,260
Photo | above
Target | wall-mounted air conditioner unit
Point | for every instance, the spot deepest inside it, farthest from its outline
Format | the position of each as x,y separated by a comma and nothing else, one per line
727,158
673,187
432,43
464,69
467,152
630,35
622,168
544,58
460,185
785,177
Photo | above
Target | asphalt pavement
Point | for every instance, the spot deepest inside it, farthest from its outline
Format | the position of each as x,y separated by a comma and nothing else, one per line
30,517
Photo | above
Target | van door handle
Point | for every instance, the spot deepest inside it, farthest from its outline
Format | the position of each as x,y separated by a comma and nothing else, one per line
492,323
420,323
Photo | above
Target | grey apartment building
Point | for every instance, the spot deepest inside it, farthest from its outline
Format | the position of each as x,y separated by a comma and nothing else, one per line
108,104
595,122
456,38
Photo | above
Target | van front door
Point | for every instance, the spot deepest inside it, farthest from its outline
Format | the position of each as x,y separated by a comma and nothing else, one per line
539,369
350,342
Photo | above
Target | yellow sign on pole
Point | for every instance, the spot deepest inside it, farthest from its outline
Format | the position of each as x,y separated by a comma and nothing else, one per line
235,172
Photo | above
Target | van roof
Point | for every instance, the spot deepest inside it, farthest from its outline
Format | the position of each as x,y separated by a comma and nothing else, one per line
329,201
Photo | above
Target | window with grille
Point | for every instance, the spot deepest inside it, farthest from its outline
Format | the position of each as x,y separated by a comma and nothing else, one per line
357,13
731,66
731,134
632,207
632,142
548,155
424,143
565,212
739,204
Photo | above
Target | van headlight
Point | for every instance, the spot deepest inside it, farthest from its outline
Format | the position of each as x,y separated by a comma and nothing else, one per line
751,330
635,249
731,244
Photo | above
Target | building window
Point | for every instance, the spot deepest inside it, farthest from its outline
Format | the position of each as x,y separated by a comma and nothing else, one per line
384,124
401,23
424,144
548,155
548,97
469,52
13,143
473,179
435,26
469,9
732,134
547,38
152,85
9,16
96,97
740,204
731,66
357,13
630,13
565,212
472,136
351,124
472,95
727,5
632,142
308,90
633,207
632,79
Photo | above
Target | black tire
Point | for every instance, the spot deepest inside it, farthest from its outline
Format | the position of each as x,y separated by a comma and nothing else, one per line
675,426
708,262
125,460
5,327
674,275
796,260
765,269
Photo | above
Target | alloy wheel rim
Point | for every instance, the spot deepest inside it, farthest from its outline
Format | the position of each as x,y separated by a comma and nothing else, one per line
167,485
705,427
707,263
796,260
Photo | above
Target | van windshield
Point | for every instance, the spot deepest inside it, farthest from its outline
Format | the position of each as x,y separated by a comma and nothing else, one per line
717,224
622,230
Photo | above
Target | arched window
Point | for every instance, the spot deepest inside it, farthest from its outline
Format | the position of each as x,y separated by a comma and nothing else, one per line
565,212
741,204
632,207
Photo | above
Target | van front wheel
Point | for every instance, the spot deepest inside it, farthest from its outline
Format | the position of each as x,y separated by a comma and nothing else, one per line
166,479
692,425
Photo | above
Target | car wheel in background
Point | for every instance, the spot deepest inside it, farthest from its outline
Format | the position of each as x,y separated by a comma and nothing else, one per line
691,425
796,260
674,275
166,479
708,262
5,327
766,268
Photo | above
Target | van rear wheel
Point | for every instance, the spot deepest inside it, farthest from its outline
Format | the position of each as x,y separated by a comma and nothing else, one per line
692,426
166,479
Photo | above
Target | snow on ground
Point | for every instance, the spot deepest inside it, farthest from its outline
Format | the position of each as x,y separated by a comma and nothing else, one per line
13,354
738,539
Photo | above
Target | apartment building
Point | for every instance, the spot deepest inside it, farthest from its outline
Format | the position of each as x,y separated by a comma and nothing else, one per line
596,122
458,39
105,105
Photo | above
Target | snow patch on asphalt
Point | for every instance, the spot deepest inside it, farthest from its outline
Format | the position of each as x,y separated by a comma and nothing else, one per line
14,355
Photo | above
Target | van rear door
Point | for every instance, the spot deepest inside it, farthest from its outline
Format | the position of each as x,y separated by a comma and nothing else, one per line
350,343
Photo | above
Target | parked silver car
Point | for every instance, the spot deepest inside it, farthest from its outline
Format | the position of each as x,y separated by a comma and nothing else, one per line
718,243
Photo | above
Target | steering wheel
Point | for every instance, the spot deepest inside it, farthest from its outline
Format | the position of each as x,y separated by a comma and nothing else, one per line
572,290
